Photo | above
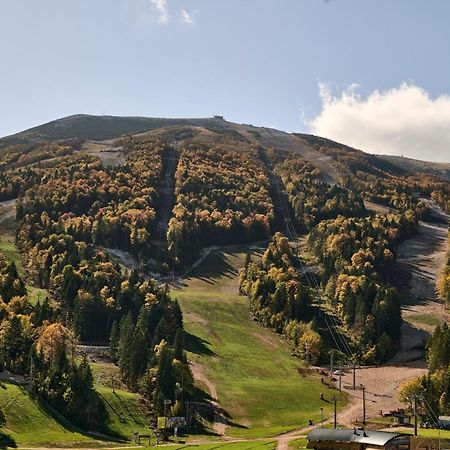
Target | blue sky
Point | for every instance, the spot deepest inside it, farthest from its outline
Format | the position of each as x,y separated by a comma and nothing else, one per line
254,61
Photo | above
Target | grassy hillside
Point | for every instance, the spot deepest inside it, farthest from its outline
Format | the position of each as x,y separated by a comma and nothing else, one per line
261,387
125,414
29,422
10,251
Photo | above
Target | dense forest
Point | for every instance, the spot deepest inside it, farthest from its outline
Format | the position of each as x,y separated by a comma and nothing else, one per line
222,197
112,207
357,255
311,199
90,299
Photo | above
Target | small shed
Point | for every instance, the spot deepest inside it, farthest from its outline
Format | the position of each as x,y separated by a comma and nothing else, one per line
357,439
444,422
401,419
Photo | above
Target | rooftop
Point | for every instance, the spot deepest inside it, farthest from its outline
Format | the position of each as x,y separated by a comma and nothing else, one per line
370,437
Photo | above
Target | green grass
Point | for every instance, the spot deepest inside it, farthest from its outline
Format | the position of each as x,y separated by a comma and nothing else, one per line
257,380
11,252
424,319
431,433
36,294
125,414
298,443
247,445
29,422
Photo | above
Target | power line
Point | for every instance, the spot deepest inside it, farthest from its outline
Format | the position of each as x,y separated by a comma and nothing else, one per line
312,282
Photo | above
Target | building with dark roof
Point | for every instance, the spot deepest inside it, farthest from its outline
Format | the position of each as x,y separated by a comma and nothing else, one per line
332,439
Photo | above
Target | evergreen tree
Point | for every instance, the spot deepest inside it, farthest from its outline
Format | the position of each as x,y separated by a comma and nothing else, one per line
114,339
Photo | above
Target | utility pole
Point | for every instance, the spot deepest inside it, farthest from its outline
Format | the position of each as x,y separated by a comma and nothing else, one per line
331,362
31,370
167,402
340,377
335,412
364,402
321,417
415,415
354,377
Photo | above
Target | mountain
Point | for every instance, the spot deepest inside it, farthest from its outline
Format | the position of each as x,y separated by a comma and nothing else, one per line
333,158
100,215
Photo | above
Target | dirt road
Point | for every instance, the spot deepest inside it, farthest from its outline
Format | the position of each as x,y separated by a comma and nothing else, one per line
220,422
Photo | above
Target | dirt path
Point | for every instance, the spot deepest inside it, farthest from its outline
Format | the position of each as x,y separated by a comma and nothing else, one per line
419,263
124,258
284,439
220,422
166,193
8,218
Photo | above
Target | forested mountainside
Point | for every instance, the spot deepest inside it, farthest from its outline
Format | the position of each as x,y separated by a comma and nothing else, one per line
160,191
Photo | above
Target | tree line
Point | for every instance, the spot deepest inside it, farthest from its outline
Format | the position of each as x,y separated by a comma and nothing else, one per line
280,299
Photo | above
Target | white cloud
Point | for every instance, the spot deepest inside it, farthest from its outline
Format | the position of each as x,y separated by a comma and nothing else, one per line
187,17
399,121
162,10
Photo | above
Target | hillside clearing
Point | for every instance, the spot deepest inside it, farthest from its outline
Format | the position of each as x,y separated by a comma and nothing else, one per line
258,383
9,249
125,415
419,263
29,422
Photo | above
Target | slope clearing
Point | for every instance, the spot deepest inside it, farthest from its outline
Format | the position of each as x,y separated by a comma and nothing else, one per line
9,250
125,415
30,423
420,261
262,390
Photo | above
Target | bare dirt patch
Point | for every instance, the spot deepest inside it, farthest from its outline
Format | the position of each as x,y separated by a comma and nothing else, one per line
109,154
382,385
194,318
267,341
7,218
377,208
419,263
220,421
124,258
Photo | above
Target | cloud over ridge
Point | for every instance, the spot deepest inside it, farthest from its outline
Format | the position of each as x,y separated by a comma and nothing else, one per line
400,121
